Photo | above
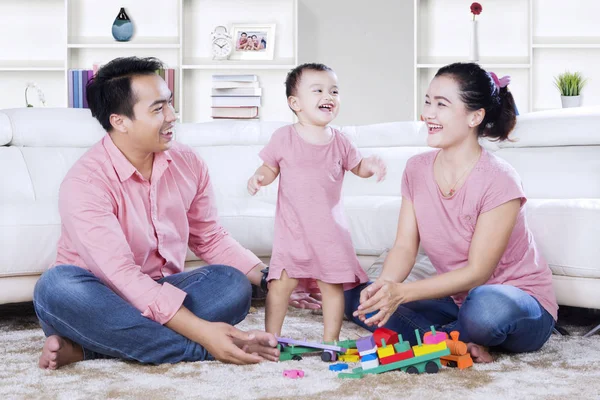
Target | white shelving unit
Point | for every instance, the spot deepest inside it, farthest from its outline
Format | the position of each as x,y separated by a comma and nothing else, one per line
63,34
530,40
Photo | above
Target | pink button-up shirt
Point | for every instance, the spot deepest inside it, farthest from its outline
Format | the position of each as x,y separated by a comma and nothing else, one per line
129,231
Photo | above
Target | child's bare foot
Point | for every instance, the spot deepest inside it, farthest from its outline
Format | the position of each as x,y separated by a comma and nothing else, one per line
58,352
479,354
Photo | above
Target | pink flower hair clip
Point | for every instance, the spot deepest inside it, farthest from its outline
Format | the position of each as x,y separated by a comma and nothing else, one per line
500,83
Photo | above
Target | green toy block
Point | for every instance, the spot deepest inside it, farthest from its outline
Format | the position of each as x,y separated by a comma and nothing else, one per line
418,337
401,346
284,356
350,375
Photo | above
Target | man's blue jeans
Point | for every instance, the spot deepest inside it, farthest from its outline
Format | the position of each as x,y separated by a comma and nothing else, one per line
73,303
499,316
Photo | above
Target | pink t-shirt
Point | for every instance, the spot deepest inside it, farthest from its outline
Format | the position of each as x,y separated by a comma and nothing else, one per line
312,239
447,224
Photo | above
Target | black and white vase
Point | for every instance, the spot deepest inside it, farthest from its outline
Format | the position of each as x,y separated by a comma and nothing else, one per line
122,29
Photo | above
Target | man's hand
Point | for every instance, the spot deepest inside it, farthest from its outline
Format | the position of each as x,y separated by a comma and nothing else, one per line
231,345
374,165
262,344
255,183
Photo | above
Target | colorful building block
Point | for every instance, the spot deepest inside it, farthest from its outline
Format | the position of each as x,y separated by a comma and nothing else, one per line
434,337
386,334
385,350
422,349
338,367
293,373
349,358
366,344
401,346
397,357
351,375
351,352
369,364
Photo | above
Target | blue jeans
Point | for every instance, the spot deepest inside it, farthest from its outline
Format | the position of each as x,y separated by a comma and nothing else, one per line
499,316
73,303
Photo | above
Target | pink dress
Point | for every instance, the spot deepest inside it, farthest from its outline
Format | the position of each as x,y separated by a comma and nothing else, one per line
447,224
312,239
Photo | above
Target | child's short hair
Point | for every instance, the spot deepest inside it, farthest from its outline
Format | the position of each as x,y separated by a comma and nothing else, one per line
293,77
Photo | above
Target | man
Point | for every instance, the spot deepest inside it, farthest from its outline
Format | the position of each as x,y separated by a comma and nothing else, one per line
130,207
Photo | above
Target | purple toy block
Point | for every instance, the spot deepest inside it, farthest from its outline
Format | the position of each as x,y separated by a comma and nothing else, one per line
288,341
365,343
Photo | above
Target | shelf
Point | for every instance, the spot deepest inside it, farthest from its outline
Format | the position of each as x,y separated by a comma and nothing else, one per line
566,42
489,62
209,63
32,65
134,43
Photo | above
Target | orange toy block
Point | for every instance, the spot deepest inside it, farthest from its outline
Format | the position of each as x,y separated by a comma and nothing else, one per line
386,334
396,357
456,347
460,362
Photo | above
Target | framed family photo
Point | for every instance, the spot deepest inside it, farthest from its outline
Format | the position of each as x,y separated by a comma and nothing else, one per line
253,41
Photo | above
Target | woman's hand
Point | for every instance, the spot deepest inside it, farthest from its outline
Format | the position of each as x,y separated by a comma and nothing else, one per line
382,298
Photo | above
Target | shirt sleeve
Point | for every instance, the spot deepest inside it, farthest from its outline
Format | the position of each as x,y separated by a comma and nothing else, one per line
271,153
504,187
88,217
208,238
352,156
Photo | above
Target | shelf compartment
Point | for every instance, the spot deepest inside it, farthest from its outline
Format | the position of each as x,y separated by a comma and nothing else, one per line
134,43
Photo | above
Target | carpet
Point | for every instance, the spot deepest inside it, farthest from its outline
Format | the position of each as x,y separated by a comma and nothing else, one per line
567,367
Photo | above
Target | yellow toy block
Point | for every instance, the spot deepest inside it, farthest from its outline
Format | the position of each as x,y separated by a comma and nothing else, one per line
385,351
429,348
351,352
349,358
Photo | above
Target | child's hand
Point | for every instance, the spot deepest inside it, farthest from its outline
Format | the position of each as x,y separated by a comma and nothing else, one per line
375,166
254,184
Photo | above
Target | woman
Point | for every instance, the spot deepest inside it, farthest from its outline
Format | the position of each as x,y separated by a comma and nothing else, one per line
465,207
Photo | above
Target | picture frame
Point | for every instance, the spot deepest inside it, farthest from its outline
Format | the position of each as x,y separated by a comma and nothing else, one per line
253,41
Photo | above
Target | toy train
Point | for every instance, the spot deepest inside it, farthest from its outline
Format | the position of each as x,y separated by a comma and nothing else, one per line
385,350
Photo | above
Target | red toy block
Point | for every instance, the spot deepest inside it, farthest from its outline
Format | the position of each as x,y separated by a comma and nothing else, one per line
386,334
396,357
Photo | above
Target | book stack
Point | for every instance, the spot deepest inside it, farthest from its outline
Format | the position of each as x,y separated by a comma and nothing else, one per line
235,96
79,78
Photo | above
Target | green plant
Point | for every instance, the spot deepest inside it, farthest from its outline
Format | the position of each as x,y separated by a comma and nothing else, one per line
570,84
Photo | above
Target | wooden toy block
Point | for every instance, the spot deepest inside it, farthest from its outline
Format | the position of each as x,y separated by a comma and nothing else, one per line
351,352
338,367
460,362
348,344
369,357
314,345
367,352
397,357
350,375
293,373
385,351
434,337
401,346
429,348
386,334
366,343
369,364
349,358
428,363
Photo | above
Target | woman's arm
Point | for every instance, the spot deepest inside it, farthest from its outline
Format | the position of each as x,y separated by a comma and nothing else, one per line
492,233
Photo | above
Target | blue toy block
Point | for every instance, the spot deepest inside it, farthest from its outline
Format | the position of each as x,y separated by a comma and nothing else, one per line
369,357
338,367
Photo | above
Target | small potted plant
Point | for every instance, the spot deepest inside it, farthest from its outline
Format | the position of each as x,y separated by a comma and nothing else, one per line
570,85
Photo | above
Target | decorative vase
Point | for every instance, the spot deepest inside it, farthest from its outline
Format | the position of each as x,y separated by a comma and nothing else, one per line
122,29
570,101
474,50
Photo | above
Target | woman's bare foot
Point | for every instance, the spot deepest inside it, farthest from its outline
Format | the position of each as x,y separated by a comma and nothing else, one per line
479,354
58,352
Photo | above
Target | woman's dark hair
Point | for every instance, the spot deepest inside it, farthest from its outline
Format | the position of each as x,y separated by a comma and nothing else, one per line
294,76
109,91
479,90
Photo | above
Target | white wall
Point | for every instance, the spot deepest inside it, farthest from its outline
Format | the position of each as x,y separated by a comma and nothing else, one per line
370,47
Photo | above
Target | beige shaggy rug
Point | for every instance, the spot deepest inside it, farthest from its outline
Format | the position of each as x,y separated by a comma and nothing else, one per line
566,368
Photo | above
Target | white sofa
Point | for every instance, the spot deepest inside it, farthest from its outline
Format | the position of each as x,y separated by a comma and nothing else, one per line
557,154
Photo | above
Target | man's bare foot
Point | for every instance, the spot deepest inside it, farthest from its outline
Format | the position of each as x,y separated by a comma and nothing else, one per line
479,354
58,352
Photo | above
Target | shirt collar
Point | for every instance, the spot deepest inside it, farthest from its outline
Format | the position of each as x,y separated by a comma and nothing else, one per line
122,166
